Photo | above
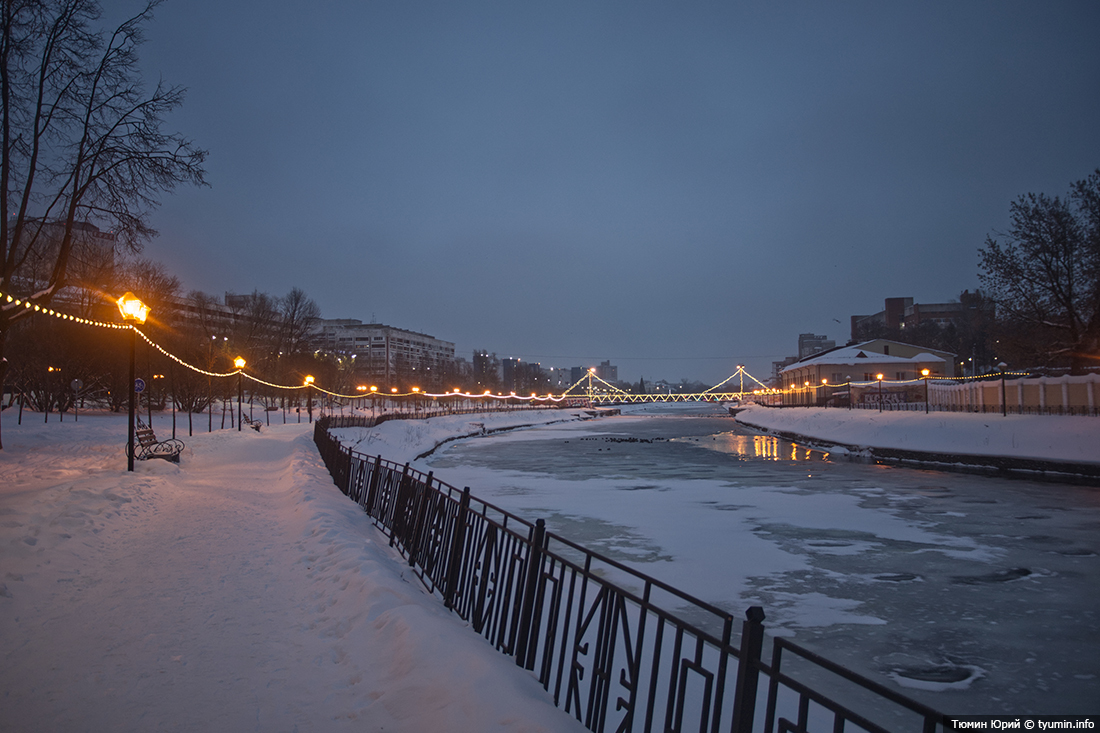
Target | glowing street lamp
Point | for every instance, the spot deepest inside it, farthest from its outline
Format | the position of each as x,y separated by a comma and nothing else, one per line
132,308
133,311
239,363
924,373
879,378
309,396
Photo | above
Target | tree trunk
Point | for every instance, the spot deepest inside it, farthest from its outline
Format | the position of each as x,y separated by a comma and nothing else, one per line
3,376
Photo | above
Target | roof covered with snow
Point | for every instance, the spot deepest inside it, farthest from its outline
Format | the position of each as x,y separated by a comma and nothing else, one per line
859,353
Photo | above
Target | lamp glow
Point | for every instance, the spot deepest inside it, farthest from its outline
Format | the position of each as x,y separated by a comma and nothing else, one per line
239,362
132,309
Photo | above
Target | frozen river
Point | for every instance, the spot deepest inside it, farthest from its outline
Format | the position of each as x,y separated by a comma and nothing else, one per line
974,594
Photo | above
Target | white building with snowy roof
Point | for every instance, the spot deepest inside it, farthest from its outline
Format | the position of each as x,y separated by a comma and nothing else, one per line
863,362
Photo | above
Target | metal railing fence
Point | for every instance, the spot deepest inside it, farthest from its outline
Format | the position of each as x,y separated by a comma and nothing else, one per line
617,649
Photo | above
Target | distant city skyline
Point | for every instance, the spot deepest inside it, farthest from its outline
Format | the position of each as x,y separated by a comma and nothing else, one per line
675,188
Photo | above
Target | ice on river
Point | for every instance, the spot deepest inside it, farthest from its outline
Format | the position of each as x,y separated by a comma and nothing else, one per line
976,594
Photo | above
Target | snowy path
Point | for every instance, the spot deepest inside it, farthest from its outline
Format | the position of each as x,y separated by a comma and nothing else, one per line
237,591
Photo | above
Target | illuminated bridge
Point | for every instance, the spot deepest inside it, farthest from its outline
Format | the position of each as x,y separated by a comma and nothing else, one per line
600,392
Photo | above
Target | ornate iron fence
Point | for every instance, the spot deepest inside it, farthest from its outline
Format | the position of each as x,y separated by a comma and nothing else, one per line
617,649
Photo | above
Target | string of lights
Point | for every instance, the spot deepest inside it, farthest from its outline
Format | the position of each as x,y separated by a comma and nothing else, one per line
589,376
4,297
246,375
180,361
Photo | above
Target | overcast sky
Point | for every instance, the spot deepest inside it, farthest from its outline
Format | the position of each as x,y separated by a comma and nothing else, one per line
678,187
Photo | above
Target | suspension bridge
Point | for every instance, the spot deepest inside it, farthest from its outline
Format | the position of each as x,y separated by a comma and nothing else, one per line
600,392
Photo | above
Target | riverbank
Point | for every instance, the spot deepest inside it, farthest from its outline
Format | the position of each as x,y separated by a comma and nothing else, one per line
405,441
1054,445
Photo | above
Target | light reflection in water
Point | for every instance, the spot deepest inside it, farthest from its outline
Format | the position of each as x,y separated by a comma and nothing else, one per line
767,447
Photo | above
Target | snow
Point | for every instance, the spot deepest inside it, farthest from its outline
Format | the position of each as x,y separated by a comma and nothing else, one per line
240,590
1042,437
403,441
909,576
236,591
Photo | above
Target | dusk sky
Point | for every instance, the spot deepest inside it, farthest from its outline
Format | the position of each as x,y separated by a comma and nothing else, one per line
678,187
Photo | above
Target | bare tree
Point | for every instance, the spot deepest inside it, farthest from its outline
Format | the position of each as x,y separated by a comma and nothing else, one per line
82,143
152,283
1046,275
299,314
256,325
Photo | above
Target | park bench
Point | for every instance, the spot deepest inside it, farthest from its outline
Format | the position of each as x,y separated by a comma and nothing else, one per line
254,424
150,447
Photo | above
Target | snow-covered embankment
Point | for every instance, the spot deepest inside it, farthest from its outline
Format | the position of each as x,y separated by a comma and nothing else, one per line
236,591
1069,444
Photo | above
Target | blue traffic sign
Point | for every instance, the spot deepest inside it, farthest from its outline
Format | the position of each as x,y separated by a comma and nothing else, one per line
139,385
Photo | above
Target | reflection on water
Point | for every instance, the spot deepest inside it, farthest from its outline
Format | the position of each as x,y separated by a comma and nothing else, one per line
767,447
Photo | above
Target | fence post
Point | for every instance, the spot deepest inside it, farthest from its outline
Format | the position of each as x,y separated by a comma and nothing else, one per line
402,500
346,488
372,486
534,566
458,542
748,670
416,532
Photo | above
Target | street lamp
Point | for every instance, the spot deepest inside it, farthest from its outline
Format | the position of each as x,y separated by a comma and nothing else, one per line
851,393
1004,403
924,373
239,363
309,397
133,311
879,378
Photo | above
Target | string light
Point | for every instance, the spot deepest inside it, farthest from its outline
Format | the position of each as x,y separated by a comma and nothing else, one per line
50,312
617,393
181,362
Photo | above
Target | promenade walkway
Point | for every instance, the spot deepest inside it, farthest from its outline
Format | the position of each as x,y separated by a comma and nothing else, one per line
237,591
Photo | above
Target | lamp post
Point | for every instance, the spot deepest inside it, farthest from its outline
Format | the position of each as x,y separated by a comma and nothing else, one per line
851,392
879,378
1004,402
133,311
309,397
924,373
239,363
